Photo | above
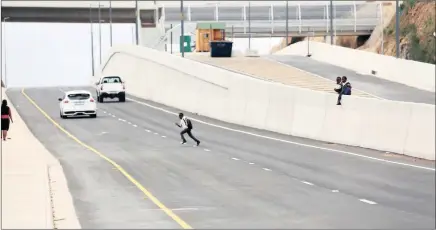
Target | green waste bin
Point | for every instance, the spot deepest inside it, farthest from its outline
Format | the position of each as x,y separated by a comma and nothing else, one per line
221,48
185,43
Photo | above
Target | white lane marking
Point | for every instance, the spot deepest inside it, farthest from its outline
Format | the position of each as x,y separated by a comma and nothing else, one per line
368,201
266,169
135,126
285,141
129,123
104,111
113,115
251,163
305,182
120,119
335,190
156,133
148,131
207,150
236,159
164,137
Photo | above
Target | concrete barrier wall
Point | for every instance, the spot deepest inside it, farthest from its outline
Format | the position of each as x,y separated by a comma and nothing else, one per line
416,74
398,127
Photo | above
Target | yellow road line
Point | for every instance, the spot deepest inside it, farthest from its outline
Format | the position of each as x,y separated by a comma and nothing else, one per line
148,194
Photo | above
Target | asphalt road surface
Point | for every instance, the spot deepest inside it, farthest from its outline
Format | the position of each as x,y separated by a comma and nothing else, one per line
376,86
233,180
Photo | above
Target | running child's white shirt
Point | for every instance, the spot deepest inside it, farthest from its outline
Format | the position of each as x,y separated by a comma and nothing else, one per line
184,123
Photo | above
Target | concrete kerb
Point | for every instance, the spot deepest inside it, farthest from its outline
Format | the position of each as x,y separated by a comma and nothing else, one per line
60,202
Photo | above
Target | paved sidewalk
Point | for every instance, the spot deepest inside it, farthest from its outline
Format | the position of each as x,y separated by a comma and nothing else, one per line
263,68
29,173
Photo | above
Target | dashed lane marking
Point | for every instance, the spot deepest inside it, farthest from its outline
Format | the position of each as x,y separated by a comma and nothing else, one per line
266,169
285,141
147,193
305,182
367,201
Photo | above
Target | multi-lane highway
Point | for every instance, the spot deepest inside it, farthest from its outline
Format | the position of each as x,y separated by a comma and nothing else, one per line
248,179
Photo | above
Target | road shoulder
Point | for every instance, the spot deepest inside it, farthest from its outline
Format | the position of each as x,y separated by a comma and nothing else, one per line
35,193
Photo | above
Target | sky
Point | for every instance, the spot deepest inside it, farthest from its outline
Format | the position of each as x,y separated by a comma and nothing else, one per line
50,54
59,54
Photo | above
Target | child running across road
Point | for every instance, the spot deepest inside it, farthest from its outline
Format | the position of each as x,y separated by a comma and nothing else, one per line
186,125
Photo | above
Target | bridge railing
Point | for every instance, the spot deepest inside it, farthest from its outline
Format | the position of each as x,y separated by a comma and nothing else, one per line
347,15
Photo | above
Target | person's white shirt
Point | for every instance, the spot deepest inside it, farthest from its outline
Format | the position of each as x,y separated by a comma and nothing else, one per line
184,123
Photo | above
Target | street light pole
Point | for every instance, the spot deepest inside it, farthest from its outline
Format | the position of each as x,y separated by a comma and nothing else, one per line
397,28
92,41
137,22
4,32
110,20
182,27
99,30
331,22
249,25
287,18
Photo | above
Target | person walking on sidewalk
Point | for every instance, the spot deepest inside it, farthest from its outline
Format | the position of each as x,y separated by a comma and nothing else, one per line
6,118
186,125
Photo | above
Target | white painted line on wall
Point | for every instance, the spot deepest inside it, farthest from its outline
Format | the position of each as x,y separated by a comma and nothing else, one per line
285,141
266,169
367,201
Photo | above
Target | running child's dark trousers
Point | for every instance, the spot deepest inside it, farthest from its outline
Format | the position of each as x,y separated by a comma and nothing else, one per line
188,131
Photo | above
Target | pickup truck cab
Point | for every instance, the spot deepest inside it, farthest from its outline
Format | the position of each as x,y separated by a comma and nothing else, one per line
111,87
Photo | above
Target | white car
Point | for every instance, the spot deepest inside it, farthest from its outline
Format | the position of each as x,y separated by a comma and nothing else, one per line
111,87
77,103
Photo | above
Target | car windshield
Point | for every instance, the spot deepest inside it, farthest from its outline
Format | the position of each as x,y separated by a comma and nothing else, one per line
79,96
113,79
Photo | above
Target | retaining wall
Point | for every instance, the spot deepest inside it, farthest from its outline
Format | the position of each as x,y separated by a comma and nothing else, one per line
399,127
416,74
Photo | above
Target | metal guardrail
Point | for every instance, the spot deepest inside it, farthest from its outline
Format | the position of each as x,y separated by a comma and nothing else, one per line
348,16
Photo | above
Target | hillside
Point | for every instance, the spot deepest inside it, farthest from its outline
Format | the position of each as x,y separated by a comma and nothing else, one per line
417,25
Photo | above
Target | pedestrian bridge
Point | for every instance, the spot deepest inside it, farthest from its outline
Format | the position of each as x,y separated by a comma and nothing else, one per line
269,19
261,19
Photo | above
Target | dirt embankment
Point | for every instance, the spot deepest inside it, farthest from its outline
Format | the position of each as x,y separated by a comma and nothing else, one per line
417,25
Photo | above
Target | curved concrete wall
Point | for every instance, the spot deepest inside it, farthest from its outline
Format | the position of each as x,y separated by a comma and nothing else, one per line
416,74
404,128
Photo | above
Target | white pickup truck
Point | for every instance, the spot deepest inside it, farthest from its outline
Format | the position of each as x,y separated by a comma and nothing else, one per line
111,87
